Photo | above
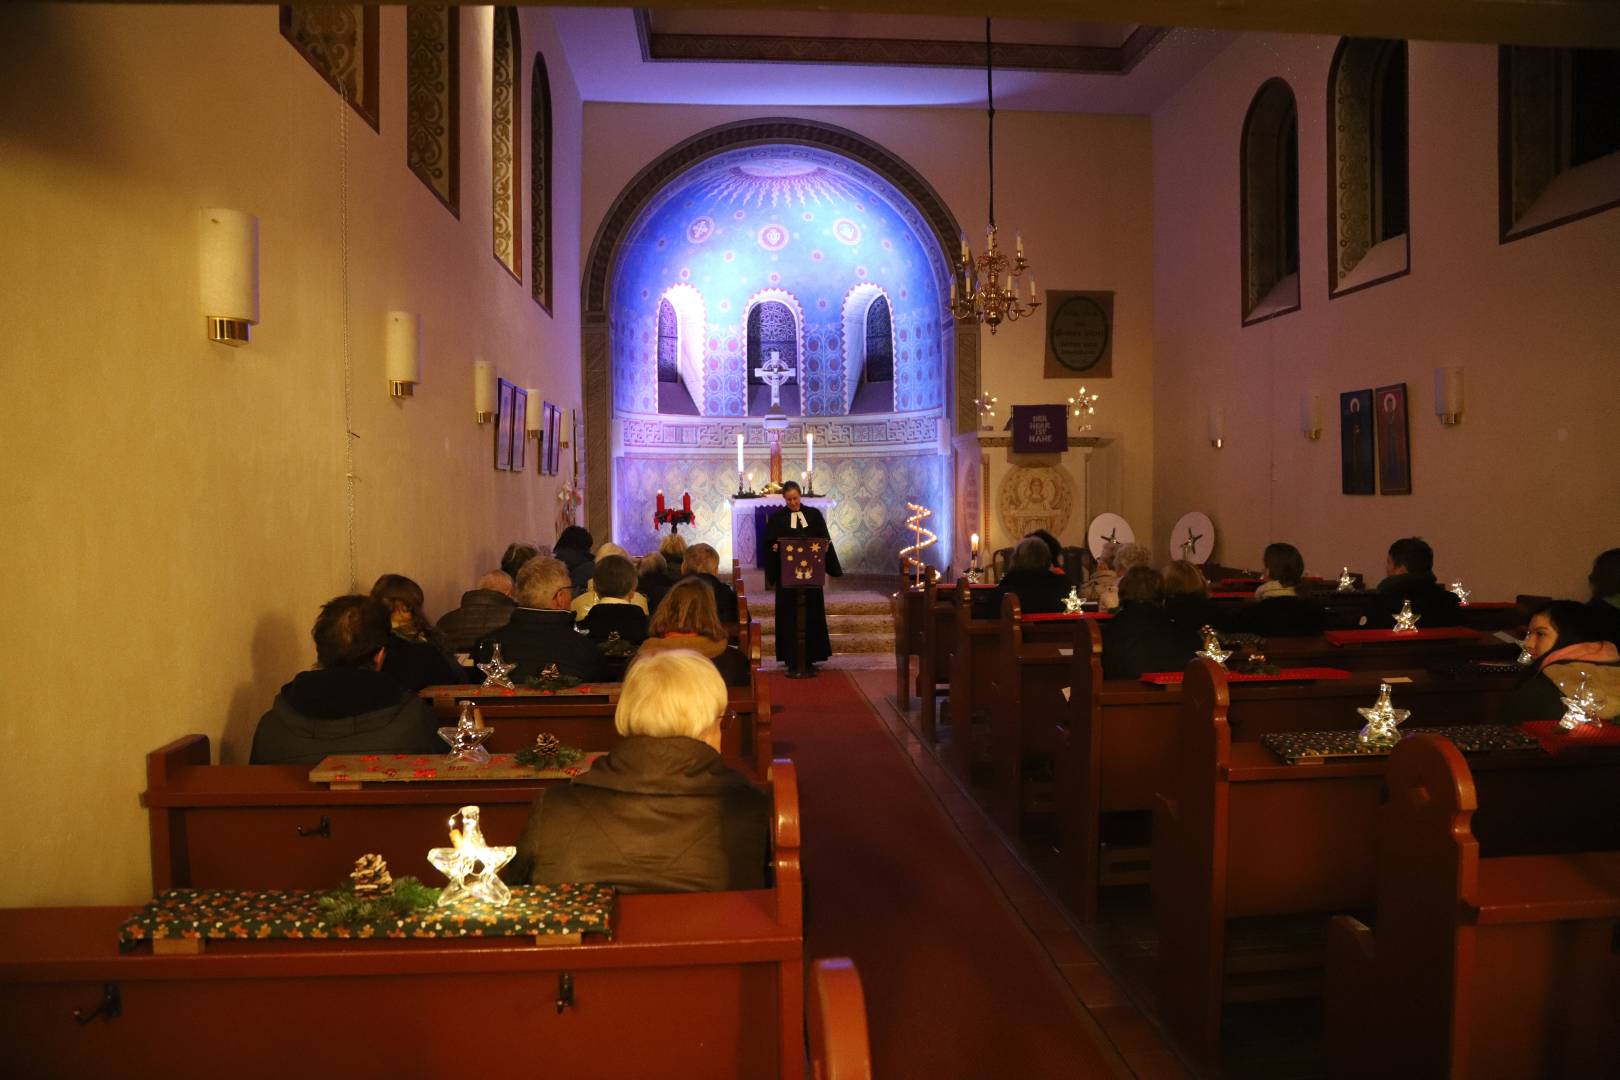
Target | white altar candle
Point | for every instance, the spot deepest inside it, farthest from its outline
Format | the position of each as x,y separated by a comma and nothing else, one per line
974,541
810,452
739,452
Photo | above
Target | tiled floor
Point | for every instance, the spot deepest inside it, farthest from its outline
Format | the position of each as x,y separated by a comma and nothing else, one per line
1145,1050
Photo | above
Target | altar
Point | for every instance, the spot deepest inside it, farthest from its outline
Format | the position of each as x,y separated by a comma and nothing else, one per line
748,518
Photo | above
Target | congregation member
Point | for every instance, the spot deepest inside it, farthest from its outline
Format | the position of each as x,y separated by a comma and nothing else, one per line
1604,607
483,611
1139,638
703,563
517,553
673,549
654,579
345,705
661,812
798,521
1030,577
1186,598
416,658
1566,645
573,550
687,620
1117,560
1278,609
1409,576
583,602
615,610
541,630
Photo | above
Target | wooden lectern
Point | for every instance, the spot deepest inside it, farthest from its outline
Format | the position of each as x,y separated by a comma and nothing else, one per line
803,566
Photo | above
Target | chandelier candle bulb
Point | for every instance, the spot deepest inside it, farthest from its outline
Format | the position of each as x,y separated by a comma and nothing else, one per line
1018,239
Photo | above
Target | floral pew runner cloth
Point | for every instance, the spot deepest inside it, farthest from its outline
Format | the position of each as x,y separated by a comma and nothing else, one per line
352,770
1313,746
561,913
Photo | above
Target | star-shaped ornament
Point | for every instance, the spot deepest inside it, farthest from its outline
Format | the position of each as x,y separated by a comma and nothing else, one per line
466,739
497,673
1580,709
1456,589
1406,619
1383,718
471,865
1346,582
1072,603
1212,649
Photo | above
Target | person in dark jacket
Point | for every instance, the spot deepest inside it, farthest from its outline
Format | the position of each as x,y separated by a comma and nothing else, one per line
1604,608
573,550
1186,598
541,630
703,562
345,705
1140,638
687,620
1409,575
661,812
415,656
1566,645
613,612
654,580
1279,610
483,611
1030,578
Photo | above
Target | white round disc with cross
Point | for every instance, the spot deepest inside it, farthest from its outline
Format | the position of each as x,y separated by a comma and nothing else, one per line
1193,538
1107,532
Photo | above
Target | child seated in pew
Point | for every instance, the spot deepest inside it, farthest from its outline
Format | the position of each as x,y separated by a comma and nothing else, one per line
1140,638
1278,609
687,620
661,812
1565,645
346,705
614,612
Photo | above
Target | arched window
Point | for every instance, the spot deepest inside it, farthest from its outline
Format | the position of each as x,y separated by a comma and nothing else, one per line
1560,136
340,42
772,327
506,140
879,342
1269,182
1367,164
540,184
433,100
669,343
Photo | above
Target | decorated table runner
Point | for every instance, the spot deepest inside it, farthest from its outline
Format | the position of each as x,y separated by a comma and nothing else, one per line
1437,633
231,915
1312,747
1287,674
1554,738
381,768
1065,616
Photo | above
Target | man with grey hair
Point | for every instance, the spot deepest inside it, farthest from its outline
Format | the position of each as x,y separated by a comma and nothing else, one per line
541,630
702,561
483,611
1030,577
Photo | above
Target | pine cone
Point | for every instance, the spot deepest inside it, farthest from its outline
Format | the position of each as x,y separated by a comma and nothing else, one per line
550,674
371,876
546,744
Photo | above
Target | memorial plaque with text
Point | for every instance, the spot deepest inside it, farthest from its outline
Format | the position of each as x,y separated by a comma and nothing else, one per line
1079,335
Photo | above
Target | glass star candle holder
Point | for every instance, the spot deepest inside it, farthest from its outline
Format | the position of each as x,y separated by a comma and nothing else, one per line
1212,649
1406,619
497,673
1346,582
1580,709
1383,718
466,739
471,864
1072,603
1456,589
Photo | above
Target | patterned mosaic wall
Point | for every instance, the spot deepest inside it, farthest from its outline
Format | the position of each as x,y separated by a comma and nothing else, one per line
867,524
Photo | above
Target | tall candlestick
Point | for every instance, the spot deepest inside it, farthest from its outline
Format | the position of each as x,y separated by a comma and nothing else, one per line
739,451
810,452
660,500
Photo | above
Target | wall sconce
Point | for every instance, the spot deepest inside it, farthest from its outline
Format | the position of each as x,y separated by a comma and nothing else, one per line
483,391
1217,426
403,353
229,264
1448,395
1310,415
533,414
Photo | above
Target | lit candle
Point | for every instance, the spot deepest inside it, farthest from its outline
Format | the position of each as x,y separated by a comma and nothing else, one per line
1032,287
686,501
803,476
810,452
1019,237
660,500
1007,287
750,481
964,248
739,452
974,541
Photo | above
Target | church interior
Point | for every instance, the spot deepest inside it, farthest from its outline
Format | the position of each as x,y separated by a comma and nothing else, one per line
462,276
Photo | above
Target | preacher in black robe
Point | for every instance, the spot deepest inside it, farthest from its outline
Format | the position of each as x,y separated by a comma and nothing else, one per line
785,524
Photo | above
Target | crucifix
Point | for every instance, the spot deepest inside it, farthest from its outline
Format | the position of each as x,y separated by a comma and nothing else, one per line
774,373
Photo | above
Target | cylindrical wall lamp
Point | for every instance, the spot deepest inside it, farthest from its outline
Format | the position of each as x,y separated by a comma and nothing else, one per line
403,353
1448,395
1217,426
483,391
229,265
1310,415
533,414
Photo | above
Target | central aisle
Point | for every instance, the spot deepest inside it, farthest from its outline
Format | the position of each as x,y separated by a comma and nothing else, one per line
956,985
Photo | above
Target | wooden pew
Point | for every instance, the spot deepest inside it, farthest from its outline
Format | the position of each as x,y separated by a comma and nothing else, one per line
1480,967
1239,834
907,605
713,982
971,675
1115,746
836,1022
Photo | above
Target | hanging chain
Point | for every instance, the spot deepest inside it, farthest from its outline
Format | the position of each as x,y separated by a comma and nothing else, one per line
990,107
348,357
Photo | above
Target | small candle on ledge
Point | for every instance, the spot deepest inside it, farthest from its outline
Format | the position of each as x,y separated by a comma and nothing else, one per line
810,452
660,500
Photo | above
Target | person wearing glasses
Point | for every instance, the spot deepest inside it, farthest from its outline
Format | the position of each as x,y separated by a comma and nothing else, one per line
541,630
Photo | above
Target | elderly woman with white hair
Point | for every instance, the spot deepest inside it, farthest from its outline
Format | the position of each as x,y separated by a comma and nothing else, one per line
661,812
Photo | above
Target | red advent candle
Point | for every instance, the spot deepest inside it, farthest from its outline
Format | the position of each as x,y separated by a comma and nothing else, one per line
686,502
660,502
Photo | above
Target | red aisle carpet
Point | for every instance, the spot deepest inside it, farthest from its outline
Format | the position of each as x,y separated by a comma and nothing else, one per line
955,984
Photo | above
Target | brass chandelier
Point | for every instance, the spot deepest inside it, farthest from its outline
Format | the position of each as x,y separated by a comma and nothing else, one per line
984,289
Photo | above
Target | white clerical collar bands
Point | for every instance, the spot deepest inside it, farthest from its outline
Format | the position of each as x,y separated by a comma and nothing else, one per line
797,521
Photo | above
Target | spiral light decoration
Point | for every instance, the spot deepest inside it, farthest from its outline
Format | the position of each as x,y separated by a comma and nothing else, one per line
924,537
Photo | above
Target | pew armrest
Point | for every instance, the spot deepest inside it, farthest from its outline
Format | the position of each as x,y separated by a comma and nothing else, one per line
839,1049
1546,888
1352,958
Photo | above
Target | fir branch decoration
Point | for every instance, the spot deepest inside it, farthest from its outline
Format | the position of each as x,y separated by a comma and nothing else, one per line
617,646
552,679
548,752
343,907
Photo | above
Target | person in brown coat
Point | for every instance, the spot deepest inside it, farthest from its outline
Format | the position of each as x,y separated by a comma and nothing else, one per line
661,812
687,620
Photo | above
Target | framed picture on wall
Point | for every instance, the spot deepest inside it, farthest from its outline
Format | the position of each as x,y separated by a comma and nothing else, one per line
504,423
1356,442
551,433
520,414
1394,443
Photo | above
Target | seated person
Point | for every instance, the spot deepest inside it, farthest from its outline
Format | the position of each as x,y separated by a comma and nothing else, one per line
541,631
673,549
483,611
1604,607
653,579
703,562
583,602
415,657
346,705
614,611
661,812
1409,575
1140,638
687,620
1103,586
1030,578
1565,644
1279,610
573,550
517,553
1186,599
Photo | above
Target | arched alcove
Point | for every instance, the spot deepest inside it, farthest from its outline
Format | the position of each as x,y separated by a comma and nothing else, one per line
868,325
1269,212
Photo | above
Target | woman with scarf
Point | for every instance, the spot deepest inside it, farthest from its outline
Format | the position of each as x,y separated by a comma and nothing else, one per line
1565,647
414,657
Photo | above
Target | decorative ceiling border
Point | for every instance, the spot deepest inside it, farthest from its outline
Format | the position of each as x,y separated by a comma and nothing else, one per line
891,52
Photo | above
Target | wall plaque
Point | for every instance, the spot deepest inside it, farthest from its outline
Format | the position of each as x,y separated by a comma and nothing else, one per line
1079,334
